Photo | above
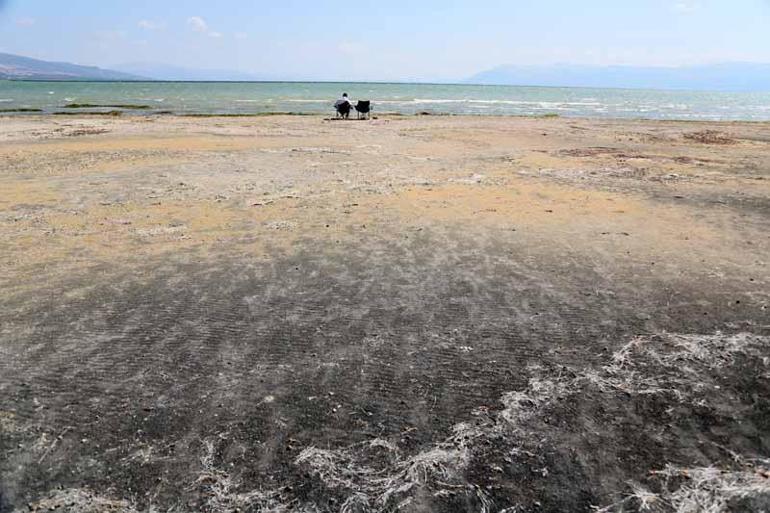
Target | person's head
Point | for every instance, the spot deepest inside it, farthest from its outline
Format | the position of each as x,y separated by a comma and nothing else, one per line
344,95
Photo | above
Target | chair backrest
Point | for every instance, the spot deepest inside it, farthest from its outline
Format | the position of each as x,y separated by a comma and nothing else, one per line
343,108
363,105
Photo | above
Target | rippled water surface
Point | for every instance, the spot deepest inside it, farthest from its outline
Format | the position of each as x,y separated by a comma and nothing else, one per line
298,97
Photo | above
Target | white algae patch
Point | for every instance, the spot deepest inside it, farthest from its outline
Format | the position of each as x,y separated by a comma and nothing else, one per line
378,476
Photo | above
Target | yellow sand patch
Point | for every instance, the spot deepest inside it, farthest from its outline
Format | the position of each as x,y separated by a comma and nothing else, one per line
15,193
586,220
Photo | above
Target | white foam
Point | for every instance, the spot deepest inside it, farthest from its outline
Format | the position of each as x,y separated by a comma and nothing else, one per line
434,100
543,104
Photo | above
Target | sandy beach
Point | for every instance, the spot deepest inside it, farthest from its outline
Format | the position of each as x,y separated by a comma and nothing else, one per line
414,313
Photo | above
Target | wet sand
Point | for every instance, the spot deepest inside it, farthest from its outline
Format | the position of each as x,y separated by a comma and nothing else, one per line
410,313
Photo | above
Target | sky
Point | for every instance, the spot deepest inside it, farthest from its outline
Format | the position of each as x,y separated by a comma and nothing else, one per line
385,39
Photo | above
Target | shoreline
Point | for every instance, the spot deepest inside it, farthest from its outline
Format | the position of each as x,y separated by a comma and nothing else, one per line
143,113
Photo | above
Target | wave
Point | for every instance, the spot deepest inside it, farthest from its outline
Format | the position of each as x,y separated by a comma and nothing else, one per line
510,102
434,101
405,99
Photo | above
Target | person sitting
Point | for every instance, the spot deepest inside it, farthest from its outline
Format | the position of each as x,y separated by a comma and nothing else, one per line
343,106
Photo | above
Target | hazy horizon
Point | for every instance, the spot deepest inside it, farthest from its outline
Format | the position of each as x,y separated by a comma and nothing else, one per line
401,42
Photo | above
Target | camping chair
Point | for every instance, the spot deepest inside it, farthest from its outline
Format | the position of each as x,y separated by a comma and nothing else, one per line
343,110
364,108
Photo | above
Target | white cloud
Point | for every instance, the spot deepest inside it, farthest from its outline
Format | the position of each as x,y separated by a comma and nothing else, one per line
25,22
686,6
151,25
198,24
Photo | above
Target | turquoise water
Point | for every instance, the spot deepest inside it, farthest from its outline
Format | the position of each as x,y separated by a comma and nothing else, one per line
245,98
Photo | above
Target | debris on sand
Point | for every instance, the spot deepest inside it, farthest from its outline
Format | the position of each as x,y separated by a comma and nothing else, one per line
281,225
378,477
86,131
710,137
473,179
704,489
78,500
587,152
220,493
530,440
679,369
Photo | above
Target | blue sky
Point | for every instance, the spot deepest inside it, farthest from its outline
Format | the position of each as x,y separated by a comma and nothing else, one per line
386,39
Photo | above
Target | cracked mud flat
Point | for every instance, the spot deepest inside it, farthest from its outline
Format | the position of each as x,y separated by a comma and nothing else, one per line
408,314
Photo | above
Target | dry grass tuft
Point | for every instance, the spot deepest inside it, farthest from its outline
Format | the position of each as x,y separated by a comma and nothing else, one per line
710,137
221,490
671,364
373,485
376,476
711,490
700,490
79,500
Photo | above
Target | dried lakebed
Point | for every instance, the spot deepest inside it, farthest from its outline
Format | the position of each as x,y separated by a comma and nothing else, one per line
427,314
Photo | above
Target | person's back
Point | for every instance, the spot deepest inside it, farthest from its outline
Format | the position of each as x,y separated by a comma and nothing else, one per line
342,101
343,105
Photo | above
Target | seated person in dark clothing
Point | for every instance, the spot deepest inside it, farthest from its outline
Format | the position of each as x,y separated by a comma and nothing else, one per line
343,106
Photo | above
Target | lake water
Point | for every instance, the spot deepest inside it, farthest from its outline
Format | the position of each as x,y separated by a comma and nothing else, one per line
247,98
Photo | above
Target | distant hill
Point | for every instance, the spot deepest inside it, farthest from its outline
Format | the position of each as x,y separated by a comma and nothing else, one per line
158,71
718,77
16,67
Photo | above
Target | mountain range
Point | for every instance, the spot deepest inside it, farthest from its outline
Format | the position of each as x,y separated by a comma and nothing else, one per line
735,76
16,67
717,77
